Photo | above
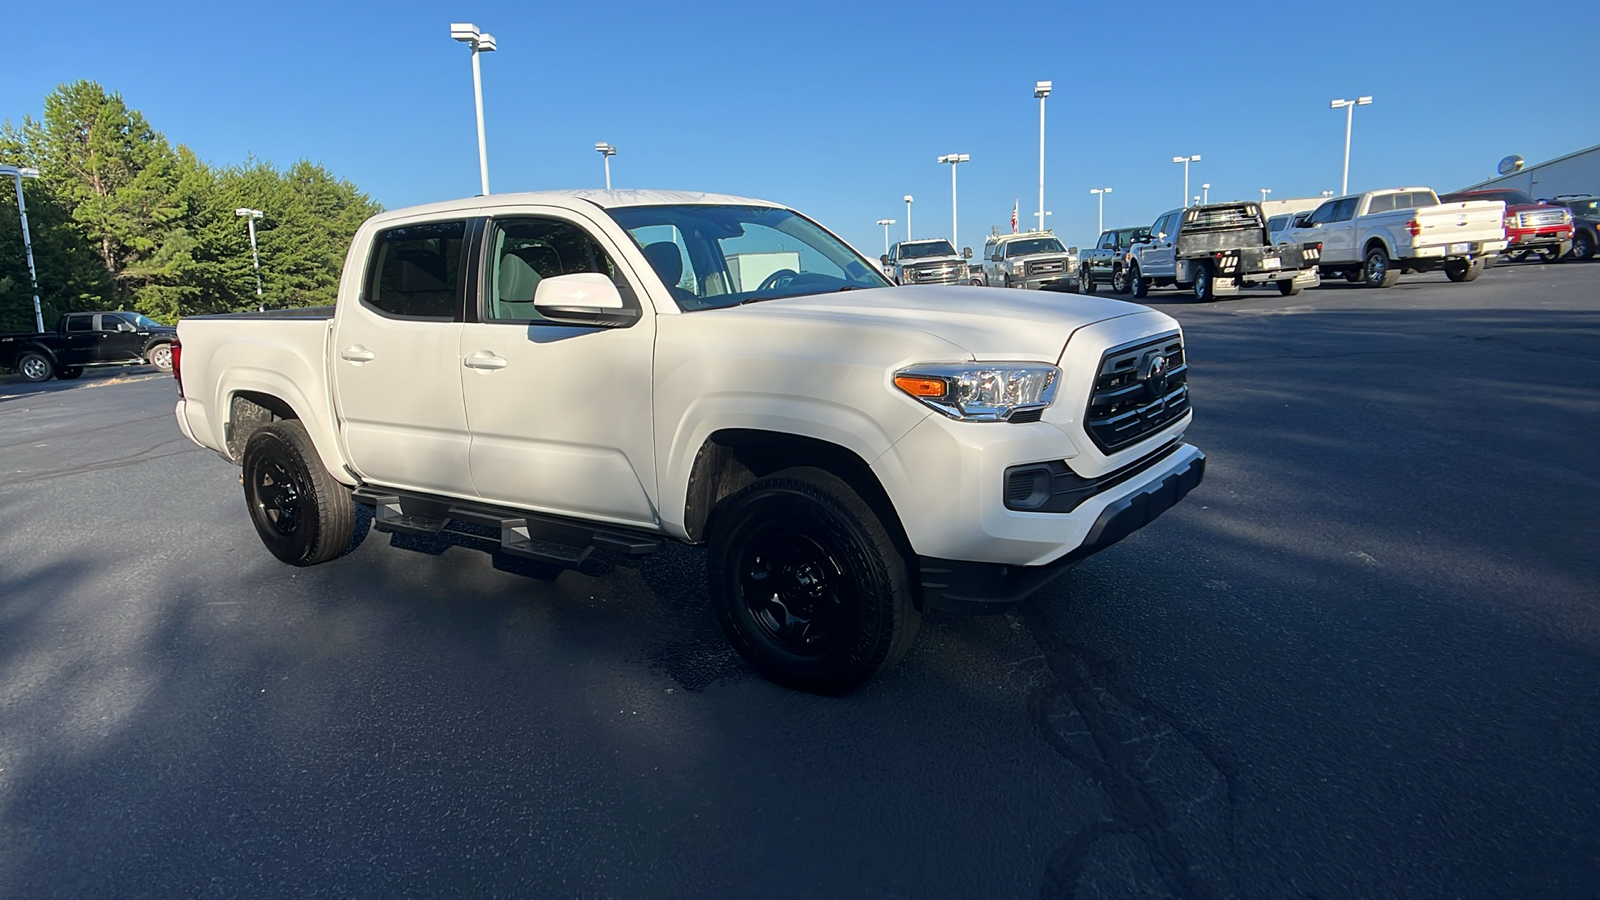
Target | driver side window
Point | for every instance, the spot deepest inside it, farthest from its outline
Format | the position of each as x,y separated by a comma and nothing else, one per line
527,251
1323,213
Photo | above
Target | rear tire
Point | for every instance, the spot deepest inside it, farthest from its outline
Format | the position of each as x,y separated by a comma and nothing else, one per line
1119,280
35,366
160,356
807,584
1378,271
1086,281
1139,285
302,514
1289,288
1205,284
1463,270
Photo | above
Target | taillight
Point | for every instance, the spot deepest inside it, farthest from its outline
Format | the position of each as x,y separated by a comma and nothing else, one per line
177,364
1414,227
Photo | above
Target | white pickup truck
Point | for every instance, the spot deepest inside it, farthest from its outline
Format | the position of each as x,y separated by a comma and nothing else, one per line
590,370
1376,236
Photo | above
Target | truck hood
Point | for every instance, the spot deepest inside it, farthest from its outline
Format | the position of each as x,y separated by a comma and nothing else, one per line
987,323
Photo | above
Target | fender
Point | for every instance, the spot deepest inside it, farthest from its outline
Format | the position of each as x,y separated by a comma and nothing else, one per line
283,386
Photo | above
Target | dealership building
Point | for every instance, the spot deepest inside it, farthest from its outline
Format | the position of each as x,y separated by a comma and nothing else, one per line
1575,173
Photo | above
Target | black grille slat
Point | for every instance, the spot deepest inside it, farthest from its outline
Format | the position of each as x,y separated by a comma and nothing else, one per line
1122,409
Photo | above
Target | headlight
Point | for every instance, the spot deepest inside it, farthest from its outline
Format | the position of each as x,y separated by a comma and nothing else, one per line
981,392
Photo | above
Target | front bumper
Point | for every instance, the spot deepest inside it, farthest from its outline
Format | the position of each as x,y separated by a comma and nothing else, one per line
977,587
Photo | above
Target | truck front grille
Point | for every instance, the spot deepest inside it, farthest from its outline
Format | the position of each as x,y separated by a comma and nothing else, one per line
1045,267
941,273
1540,218
1139,389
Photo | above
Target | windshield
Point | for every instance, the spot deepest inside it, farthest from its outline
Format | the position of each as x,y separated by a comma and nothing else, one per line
1586,208
926,249
142,321
1034,245
712,257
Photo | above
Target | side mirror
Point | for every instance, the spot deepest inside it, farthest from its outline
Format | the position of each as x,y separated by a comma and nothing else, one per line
884,259
1162,236
966,252
124,326
1073,250
587,298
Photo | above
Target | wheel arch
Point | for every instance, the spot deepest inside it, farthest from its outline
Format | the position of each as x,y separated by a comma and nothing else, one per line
251,403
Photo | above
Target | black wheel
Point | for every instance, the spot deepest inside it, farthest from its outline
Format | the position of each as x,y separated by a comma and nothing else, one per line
1377,271
1119,280
807,584
1005,281
1354,276
35,366
1549,254
1205,284
1139,285
160,356
303,515
1519,256
1463,270
1085,280
1074,286
1289,288
67,373
1582,245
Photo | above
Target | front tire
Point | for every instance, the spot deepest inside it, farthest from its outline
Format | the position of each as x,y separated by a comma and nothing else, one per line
1582,245
1119,280
1460,270
160,356
1378,271
302,514
1139,285
35,366
1289,288
808,585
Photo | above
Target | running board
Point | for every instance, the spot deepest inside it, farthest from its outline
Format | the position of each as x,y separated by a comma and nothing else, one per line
548,539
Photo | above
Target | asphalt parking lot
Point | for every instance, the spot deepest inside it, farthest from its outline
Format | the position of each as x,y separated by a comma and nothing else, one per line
1362,659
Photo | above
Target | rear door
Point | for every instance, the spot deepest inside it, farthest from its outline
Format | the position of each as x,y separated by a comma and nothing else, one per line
560,414
395,359
80,340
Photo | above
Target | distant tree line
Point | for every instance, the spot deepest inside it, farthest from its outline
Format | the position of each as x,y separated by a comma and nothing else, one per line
122,219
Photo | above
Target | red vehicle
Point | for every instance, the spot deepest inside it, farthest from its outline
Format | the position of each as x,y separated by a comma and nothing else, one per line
1531,226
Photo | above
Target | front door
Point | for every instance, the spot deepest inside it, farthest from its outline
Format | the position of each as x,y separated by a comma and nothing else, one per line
1339,235
1159,258
560,415
119,340
396,373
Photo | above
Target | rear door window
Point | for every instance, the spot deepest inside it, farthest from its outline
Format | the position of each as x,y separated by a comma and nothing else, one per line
416,272
80,323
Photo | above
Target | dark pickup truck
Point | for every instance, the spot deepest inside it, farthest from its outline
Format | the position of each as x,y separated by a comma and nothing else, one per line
1107,262
86,339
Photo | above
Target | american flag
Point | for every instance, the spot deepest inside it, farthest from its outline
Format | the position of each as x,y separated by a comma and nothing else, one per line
1014,206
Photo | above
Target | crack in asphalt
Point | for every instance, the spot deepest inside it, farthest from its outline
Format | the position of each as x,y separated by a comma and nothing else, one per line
65,433
1167,787
132,459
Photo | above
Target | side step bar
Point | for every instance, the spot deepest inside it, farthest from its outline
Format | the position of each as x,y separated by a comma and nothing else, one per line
548,539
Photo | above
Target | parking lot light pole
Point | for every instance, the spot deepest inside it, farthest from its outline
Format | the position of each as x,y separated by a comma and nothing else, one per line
1186,160
1264,193
607,151
250,217
1205,192
955,159
468,33
18,173
1041,89
885,223
1349,107
1101,192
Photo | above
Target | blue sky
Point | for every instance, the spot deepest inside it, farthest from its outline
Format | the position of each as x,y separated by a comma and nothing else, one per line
840,109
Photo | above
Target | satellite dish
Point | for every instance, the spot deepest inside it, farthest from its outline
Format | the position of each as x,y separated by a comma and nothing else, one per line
1512,163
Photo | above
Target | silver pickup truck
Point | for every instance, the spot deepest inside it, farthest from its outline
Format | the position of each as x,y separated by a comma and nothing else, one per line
1034,259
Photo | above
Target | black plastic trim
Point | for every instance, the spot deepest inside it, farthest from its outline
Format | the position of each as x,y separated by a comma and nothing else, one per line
975,587
1058,489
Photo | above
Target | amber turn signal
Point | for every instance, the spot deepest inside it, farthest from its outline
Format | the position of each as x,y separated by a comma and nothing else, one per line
920,387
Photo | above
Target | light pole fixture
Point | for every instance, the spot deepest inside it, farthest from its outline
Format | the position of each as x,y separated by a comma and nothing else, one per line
885,223
250,217
1349,107
18,173
1186,160
1041,89
1327,193
1102,192
955,159
908,217
606,150
468,33
1205,192
1264,193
